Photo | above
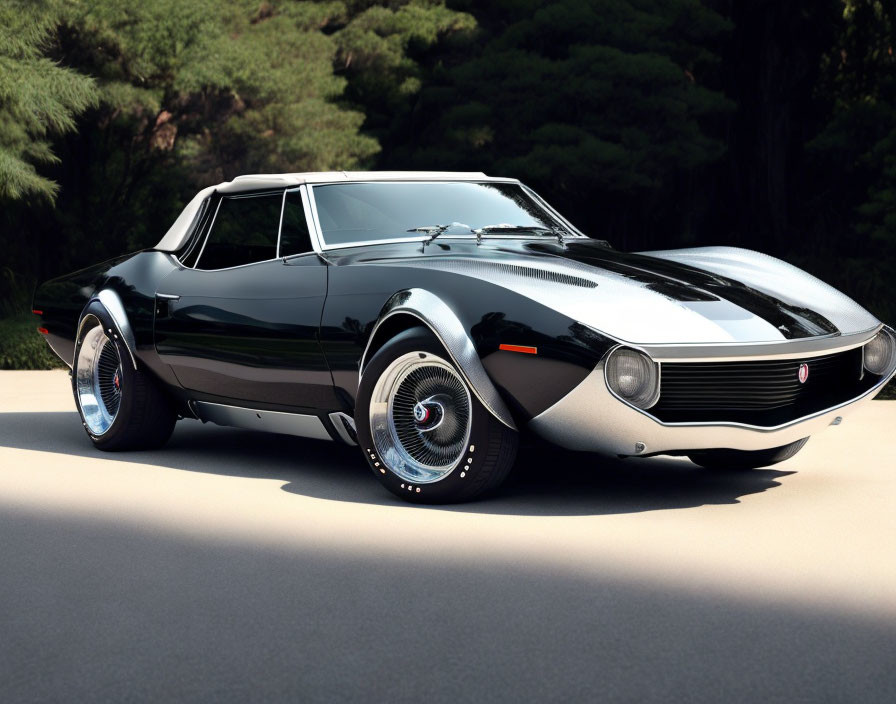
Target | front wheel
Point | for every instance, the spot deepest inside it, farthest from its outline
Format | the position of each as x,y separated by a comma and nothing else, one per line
746,459
425,435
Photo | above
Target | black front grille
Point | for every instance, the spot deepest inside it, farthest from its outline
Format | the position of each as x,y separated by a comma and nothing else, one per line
764,393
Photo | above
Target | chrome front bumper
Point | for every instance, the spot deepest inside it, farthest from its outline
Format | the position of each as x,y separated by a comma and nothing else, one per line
590,418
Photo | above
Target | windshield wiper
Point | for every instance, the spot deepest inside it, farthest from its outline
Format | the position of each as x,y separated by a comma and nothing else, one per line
435,230
558,231
555,230
432,230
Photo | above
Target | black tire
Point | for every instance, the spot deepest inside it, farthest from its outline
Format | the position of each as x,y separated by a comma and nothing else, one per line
145,416
744,459
484,461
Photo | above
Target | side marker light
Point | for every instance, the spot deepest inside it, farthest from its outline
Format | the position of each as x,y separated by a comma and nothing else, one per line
518,348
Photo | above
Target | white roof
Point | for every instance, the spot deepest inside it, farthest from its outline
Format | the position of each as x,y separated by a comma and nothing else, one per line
177,234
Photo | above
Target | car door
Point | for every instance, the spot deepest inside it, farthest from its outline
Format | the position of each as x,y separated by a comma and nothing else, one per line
241,322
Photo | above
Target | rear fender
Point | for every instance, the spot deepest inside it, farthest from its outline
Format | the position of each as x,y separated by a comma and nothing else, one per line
107,307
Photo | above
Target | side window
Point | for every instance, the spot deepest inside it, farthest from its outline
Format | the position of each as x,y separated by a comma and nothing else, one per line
294,237
244,231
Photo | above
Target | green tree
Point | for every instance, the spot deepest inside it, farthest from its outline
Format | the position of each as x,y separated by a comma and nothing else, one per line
196,93
384,50
225,87
191,94
38,98
853,157
605,103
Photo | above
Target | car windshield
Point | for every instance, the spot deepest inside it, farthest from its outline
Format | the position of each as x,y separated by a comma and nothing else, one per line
363,212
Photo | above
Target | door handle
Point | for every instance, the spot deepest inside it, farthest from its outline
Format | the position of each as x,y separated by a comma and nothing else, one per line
163,304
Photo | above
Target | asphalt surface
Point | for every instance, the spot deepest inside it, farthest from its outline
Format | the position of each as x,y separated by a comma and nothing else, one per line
234,566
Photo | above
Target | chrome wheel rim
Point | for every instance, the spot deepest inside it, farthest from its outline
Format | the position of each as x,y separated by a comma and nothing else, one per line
98,380
420,417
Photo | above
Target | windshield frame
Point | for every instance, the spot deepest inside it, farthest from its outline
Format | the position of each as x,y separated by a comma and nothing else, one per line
317,232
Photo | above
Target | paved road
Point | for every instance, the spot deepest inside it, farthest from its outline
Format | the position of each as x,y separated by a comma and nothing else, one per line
233,566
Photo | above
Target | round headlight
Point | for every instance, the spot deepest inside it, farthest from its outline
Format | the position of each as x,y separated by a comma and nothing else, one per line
634,377
877,355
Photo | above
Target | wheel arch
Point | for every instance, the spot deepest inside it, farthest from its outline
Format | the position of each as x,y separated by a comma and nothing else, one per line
107,307
410,308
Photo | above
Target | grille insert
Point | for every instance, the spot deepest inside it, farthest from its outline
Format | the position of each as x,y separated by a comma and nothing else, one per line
764,393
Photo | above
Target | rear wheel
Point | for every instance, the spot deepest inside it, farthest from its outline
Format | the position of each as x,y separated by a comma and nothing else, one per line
746,459
122,408
425,435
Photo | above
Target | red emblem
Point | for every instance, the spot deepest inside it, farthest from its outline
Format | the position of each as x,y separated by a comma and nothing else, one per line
803,373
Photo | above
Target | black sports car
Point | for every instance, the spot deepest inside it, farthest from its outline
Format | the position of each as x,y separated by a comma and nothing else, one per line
432,317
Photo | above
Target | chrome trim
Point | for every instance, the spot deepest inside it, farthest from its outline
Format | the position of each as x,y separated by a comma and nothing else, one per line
317,236
391,240
442,238
727,352
207,235
341,424
195,228
302,425
445,325
419,458
112,304
280,224
592,418
395,240
168,296
431,402
310,221
576,232
288,258
97,415
238,266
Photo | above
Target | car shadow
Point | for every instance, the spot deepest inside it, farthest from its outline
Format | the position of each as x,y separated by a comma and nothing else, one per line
546,481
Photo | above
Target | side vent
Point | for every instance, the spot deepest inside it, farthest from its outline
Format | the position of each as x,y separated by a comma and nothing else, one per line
531,273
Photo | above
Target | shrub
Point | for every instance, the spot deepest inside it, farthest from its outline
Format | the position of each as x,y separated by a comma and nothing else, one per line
23,347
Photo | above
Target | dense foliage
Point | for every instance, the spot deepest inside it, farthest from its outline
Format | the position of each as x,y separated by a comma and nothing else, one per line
38,98
21,347
652,123
606,106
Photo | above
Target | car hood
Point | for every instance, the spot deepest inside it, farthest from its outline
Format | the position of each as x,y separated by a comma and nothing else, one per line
701,295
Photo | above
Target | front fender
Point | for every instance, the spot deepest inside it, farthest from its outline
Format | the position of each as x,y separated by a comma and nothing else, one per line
433,312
